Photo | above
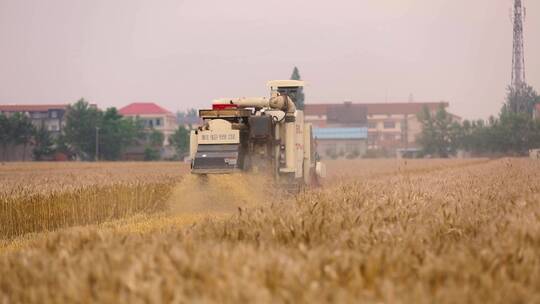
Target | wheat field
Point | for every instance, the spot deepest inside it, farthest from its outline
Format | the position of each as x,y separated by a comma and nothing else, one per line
384,231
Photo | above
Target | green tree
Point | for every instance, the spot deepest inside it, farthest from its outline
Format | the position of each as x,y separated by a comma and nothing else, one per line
437,133
183,118
22,131
156,138
5,134
192,113
521,99
132,130
154,141
43,143
116,134
443,123
515,133
80,131
111,136
427,138
151,154
180,141
510,134
300,97
61,145
457,137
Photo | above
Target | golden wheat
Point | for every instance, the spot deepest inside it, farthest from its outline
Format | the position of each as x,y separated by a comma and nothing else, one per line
414,232
48,196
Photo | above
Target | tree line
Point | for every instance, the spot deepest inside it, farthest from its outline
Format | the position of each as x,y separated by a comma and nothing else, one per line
88,131
16,130
514,132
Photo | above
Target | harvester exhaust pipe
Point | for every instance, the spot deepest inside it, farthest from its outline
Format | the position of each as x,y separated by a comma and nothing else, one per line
282,102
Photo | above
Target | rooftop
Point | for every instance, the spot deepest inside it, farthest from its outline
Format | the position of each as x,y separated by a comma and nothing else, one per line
143,108
340,133
32,107
347,113
411,108
286,83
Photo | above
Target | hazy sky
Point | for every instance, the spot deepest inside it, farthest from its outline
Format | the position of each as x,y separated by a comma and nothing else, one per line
185,53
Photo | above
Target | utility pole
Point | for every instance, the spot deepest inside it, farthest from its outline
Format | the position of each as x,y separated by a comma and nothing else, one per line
518,56
97,143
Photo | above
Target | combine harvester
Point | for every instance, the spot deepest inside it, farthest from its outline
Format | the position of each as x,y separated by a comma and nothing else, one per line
259,135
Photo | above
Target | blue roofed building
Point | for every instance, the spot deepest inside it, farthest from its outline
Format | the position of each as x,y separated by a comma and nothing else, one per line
341,142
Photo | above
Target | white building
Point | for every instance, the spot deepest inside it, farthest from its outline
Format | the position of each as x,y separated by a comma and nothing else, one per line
153,117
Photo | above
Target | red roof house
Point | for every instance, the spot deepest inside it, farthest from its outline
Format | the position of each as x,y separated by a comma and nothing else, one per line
143,108
152,116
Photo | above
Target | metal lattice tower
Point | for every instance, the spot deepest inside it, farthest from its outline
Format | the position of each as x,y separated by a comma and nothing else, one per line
518,58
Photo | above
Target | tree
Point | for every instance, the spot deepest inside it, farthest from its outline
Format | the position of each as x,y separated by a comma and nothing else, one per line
5,134
192,113
80,130
43,143
515,133
427,138
180,140
115,131
111,137
154,141
521,99
156,138
300,97
16,129
510,134
132,130
22,130
185,118
443,122
437,132
116,134
150,154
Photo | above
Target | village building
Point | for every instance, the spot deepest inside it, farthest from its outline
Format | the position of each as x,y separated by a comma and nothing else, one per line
341,142
392,127
153,117
49,116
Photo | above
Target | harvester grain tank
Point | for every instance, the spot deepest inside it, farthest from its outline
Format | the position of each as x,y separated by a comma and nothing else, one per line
263,135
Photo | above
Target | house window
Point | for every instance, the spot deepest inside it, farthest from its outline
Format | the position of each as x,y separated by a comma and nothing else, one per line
38,115
389,125
54,114
158,122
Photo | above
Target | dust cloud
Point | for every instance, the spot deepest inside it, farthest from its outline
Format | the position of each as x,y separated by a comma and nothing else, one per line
216,194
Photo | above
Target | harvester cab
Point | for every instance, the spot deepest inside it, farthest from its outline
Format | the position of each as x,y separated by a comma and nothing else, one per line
262,135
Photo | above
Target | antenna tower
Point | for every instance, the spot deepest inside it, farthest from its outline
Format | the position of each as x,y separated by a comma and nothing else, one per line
518,57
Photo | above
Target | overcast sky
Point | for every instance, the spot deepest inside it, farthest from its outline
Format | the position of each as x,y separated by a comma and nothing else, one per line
183,54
